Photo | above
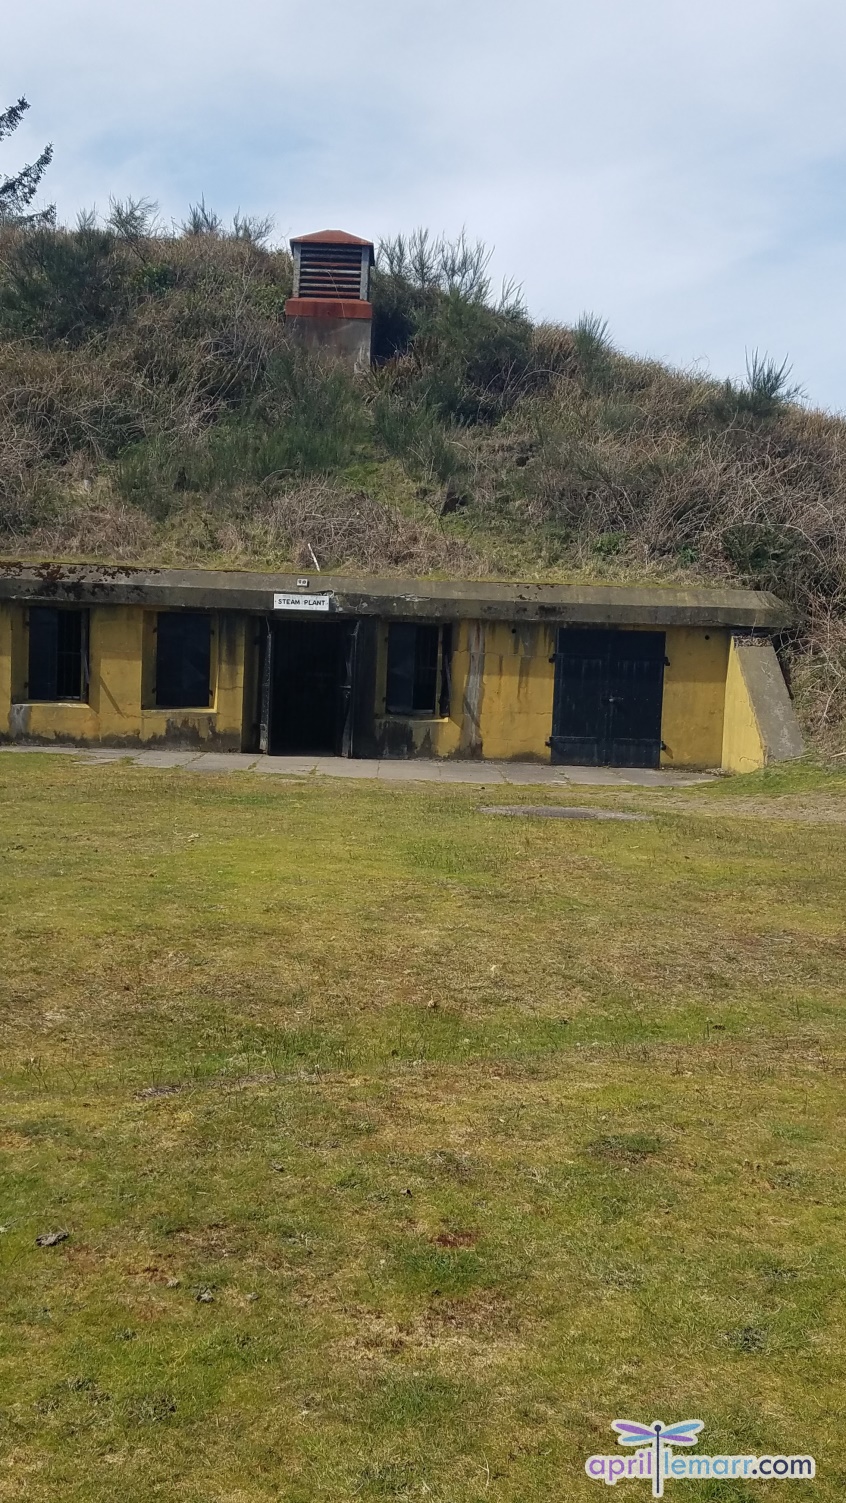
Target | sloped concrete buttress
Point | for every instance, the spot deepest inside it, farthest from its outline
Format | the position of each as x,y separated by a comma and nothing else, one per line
760,725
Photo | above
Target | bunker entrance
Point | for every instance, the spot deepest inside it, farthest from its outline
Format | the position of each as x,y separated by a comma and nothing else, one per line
608,696
307,676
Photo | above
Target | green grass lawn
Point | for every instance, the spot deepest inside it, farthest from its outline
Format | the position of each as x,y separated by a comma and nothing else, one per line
402,1148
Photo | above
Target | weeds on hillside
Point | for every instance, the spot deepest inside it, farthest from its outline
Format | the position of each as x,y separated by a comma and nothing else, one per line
148,393
766,390
341,527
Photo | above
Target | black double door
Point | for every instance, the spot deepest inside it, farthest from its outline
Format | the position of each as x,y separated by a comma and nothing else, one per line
307,676
608,696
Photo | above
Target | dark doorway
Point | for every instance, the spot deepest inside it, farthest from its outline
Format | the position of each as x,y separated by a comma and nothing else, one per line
306,687
608,695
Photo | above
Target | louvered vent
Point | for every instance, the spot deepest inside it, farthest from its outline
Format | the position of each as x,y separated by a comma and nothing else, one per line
332,271
330,310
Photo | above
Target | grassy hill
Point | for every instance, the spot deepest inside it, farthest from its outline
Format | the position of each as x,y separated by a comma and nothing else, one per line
151,408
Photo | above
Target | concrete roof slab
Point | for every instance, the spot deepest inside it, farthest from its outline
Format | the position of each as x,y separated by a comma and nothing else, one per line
401,599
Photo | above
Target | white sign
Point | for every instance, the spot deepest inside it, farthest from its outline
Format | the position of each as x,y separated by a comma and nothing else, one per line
301,602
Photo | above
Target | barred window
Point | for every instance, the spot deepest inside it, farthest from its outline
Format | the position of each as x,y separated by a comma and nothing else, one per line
58,653
183,660
419,663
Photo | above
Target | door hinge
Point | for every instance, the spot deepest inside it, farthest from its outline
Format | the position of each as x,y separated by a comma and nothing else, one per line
667,663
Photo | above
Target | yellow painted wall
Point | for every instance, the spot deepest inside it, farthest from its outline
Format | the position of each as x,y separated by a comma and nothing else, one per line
501,702
119,712
694,695
116,641
501,699
516,708
743,745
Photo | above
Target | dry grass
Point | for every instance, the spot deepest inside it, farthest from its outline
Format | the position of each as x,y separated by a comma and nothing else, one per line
400,1149
341,527
194,326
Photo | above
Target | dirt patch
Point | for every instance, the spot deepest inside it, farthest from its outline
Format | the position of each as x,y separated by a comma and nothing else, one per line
484,1312
456,1239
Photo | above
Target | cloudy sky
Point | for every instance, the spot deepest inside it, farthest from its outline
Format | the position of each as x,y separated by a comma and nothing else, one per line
676,167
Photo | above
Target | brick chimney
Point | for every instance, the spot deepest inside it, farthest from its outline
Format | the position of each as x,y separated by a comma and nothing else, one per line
330,311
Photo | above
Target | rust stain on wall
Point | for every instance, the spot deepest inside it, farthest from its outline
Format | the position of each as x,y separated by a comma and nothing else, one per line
471,732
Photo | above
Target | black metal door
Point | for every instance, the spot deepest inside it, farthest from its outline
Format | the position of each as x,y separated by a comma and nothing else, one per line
265,685
608,695
309,672
348,690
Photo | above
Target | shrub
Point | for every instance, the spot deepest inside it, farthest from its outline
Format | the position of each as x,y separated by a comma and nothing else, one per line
594,350
305,420
474,361
411,432
59,286
764,393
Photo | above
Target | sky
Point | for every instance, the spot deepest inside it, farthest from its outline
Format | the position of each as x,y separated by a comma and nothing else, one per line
676,167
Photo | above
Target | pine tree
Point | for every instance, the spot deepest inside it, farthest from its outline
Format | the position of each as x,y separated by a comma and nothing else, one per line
18,191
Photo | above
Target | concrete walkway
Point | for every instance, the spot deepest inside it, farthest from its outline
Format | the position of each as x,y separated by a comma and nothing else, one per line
386,771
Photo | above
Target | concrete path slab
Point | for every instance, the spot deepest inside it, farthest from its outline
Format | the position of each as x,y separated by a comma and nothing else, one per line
526,774
415,771
222,762
646,777
597,777
485,773
164,758
346,767
632,777
296,767
389,770
68,751
102,754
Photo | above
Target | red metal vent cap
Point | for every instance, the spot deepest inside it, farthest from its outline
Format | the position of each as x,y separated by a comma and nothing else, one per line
330,237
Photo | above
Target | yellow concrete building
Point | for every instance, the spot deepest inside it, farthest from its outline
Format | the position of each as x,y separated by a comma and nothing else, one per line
588,675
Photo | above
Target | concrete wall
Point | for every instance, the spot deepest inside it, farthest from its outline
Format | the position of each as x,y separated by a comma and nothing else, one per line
515,715
502,694
760,725
694,695
725,701
346,339
120,711
501,700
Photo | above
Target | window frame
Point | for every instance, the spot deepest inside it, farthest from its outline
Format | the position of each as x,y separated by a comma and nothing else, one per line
442,686
80,613
193,707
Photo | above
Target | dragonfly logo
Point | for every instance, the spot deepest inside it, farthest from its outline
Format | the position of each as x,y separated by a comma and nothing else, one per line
654,1459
